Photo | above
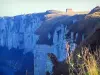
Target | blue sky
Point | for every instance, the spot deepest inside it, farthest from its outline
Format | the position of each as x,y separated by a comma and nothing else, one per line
16,7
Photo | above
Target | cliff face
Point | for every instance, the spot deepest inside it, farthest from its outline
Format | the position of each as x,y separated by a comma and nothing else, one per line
43,33
86,33
89,24
17,41
19,38
18,31
29,33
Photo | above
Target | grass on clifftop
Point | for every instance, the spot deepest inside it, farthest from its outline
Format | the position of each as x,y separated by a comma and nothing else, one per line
84,63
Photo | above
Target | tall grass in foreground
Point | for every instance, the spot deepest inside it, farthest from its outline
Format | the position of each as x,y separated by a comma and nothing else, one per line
84,63
91,66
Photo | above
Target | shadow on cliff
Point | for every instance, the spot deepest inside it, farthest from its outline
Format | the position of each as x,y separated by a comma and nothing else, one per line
14,62
59,68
